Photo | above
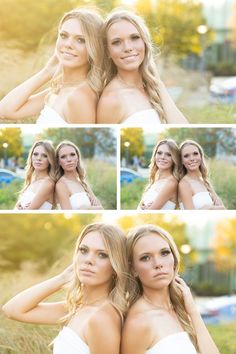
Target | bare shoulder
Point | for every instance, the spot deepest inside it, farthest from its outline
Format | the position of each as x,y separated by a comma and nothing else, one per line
184,183
81,105
172,181
48,182
110,106
61,183
107,315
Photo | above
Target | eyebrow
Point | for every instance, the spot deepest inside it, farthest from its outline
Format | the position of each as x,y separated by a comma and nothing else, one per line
131,34
73,34
98,250
162,249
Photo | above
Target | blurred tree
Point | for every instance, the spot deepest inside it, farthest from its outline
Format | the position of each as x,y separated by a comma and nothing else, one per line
135,137
224,244
233,25
89,140
173,24
24,23
13,137
212,140
38,238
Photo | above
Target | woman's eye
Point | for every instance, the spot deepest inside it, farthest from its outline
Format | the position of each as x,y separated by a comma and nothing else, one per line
80,40
103,255
62,156
63,35
145,258
116,42
165,252
72,154
45,156
185,156
167,154
195,153
82,250
35,154
158,152
135,37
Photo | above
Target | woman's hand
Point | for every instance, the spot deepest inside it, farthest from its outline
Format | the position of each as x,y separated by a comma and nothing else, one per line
53,66
189,303
67,274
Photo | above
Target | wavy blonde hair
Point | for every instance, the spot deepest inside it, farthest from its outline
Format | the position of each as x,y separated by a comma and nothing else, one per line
135,287
79,168
202,168
115,243
148,68
50,151
91,24
174,151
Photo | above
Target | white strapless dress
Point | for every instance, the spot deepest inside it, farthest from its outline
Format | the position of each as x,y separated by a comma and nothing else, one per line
152,193
146,117
177,343
69,342
79,201
199,200
28,196
48,116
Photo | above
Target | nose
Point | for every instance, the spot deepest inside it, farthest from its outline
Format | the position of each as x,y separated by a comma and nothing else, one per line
69,42
89,259
127,46
157,263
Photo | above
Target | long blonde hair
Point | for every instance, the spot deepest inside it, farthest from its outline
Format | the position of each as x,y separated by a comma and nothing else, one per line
91,24
79,168
148,68
202,168
176,297
115,242
48,146
174,151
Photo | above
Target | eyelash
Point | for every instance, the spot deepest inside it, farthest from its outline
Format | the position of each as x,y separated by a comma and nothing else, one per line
146,258
83,250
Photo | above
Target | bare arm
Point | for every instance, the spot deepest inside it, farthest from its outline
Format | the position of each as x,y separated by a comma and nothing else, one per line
27,306
21,101
98,340
81,106
96,204
109,110
205,342
42,195
168,190
135,337
173,114
63,196
185,194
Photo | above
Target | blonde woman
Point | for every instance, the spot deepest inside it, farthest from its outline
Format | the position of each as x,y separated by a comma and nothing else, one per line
38,190
163,317
72,189
161,192
134,94
195,190
95,302
75,71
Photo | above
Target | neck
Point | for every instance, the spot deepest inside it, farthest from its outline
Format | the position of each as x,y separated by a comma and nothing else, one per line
194,174
130,78
73,75
40,174
72,175
158,298
93,296
164,174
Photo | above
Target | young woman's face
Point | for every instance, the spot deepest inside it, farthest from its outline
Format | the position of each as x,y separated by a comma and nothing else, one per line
39,158
191,158
70,45
153,261
68,158
164,159
125,45
94,266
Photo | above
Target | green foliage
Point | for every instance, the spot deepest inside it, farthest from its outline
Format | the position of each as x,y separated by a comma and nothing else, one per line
136,140
131,194
89,140
211,139
102,178
14,139
9,194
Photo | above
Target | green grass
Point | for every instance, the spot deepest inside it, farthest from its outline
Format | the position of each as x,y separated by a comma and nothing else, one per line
224,337
211,114
9,194
131,194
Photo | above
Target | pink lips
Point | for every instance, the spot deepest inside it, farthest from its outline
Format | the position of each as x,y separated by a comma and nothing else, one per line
86,271
160,275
